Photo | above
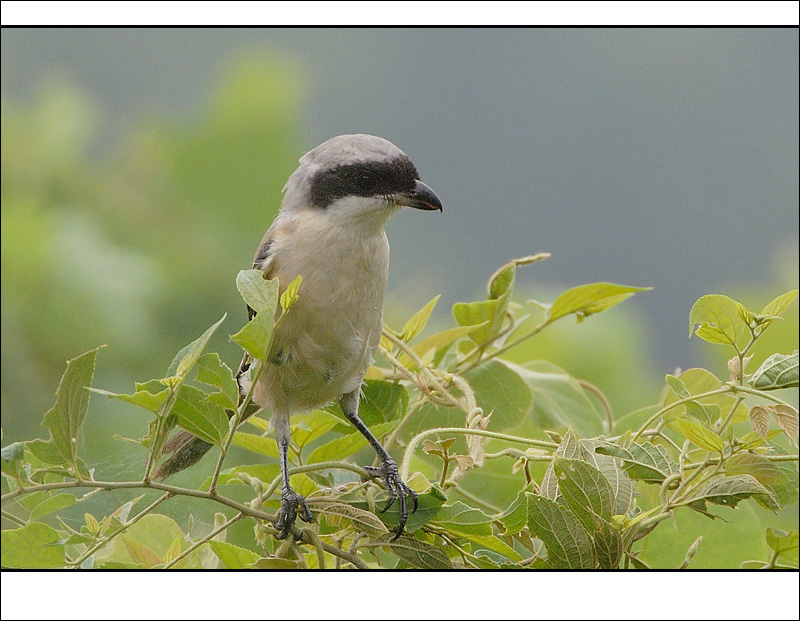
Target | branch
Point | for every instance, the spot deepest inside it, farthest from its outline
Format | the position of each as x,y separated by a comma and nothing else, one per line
203,541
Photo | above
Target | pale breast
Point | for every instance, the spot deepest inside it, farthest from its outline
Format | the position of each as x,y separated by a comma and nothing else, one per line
326,342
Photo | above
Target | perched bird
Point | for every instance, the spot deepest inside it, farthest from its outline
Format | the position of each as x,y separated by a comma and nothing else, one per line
330,231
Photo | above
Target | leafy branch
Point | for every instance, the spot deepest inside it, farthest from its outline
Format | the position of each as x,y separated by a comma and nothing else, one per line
578,502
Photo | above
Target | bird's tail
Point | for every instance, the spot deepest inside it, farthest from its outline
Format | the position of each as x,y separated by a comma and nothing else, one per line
187,449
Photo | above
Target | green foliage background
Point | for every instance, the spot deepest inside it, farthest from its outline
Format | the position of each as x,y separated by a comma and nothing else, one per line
135,244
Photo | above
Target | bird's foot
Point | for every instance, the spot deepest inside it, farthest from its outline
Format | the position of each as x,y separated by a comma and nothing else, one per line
397,489
290,502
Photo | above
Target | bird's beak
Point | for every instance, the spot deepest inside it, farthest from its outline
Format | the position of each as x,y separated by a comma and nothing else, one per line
421,197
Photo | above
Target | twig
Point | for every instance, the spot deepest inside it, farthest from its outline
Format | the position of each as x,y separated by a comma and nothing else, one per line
106,540
203,541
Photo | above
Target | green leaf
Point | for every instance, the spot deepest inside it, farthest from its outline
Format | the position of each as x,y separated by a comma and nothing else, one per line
187,357
622,487
303,484
699,435
730,490
589,299
503,279
418,553
418,321
153,537
143,398
363,521
698,381
678,387
570,448
745,314
492,313
439,343
52,504
428,506
257,444
492,543
786,490
233,556
276,563
608,544
559,400
140,553
310,426
34,546
463,519
259,293
752,440
348,445
759,467
515,517
382,402
784,543
290,296
718,318
778,371
212,371
501,390
777,306
643,462
568,543
255,336
44,451
65,418
197,414
585,489
706,413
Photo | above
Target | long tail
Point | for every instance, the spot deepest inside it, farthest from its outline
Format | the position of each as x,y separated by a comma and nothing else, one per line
188,449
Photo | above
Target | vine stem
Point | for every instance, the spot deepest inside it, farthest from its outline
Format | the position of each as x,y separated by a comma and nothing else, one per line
500,350
665,409
13,518
417,439
761,393
172,490
323,465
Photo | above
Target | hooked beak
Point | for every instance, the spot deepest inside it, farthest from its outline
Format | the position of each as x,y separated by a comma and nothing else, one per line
421,197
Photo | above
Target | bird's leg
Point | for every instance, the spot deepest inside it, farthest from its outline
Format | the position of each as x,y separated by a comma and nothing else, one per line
388,470
290,500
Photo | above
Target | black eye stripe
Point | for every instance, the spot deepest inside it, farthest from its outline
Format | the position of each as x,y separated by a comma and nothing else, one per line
363,179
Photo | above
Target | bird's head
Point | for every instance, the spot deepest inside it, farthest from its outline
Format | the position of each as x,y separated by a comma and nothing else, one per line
357,177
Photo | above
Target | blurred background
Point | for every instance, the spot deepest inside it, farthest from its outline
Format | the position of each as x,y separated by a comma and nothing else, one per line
140,168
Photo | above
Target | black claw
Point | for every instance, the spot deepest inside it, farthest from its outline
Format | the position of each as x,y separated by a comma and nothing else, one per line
397,489
392,498
290,501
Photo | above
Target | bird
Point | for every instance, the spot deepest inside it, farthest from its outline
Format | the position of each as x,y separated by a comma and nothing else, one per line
330,231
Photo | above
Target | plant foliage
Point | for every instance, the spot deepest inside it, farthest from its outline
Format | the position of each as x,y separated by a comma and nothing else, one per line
588,489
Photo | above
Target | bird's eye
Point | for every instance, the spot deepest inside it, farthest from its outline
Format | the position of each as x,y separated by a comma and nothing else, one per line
366,181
